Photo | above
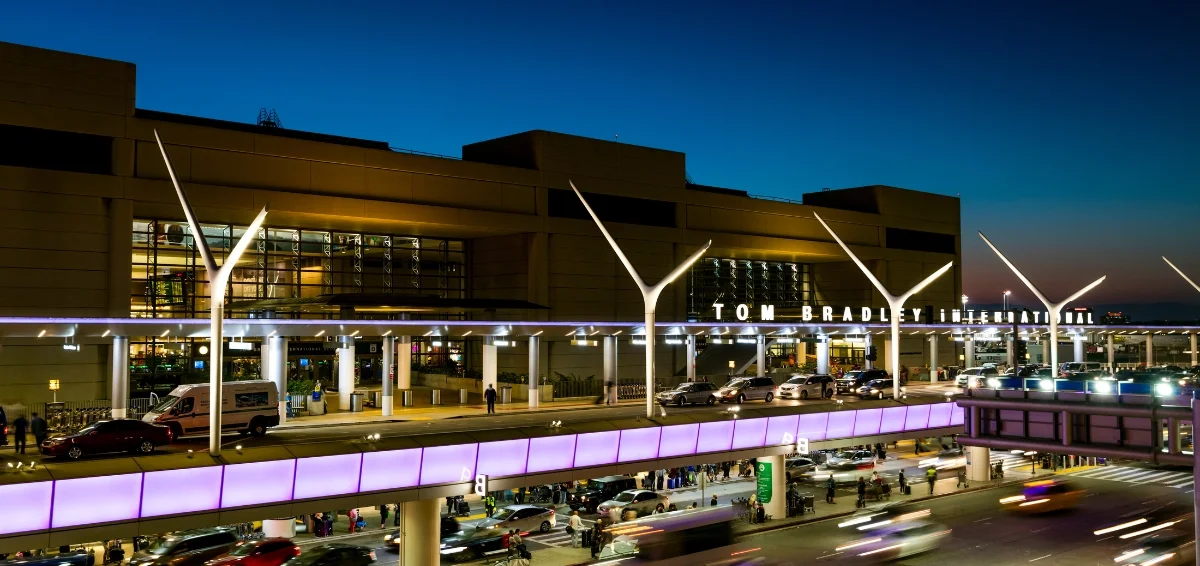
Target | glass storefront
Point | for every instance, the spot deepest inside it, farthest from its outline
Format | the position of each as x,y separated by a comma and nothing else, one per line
753,282
169,279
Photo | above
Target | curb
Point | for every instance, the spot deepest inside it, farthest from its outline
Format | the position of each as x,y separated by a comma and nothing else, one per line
398,418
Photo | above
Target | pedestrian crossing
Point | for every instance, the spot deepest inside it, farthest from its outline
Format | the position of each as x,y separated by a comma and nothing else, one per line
1128,474
557,538
1009,461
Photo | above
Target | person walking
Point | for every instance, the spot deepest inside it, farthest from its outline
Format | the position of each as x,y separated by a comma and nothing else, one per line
575,528
962,478
20,427
489,505
383,515
490,397
37,425
353,516
931,478
396,518
830,489
903,481
862,492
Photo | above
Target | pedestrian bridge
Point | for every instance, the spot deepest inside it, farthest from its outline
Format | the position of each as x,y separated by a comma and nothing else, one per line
72,502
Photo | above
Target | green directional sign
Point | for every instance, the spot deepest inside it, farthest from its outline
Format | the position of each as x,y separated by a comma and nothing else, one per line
764,482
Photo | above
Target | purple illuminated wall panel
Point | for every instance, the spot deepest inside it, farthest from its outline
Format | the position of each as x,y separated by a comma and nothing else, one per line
85,501
323,476
867,422
715,436
812,426
893,419
551,453
27,505
393,469
939,415
257,483
448,464
841,425
172,492
958,415
597,448
918,417
678,440
782,430
639,444
749,433
503,458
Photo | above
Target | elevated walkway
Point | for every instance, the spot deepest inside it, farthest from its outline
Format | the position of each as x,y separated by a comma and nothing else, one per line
346,467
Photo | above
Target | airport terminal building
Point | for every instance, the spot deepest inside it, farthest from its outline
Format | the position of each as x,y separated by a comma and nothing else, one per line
91,227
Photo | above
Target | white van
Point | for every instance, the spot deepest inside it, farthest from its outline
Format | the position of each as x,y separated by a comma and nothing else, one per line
247,407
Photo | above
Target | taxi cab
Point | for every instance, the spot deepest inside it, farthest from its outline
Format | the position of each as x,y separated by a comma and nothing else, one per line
1043,496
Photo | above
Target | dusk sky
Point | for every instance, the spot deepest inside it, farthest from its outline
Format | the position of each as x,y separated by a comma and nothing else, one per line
1071,130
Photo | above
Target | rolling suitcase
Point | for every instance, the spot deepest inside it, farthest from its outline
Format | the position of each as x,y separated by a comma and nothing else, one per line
587,538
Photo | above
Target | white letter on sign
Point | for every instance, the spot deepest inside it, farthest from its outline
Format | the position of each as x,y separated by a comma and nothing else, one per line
866,315
768,312
481,487
806,313
718,307
827,314
743,312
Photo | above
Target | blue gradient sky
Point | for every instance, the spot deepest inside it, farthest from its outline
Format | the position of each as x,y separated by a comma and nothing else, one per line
1070,129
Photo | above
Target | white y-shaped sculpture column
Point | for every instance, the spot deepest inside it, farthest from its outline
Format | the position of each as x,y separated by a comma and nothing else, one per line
217,280
896,302
1195,402
650,294
1052,309
1192,335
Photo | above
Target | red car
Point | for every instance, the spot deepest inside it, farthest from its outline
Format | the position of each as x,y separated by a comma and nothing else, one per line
124,435
267,552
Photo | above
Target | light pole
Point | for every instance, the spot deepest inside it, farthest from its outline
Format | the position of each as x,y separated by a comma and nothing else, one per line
896,302
1006,294
217,281
1052,309
650,294
964,302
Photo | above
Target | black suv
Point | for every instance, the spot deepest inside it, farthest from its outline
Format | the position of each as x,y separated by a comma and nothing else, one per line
852,380
598,491
187,548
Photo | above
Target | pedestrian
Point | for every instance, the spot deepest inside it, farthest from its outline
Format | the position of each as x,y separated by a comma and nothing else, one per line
38,427
862,492
353,516
962,478
658,509
713,501
3,428
318,522
515,545
490,397
489,505
450,505
903,481
875,478
396,518
575,528
383,515
931,477
597,533
20,427
725,467
830,489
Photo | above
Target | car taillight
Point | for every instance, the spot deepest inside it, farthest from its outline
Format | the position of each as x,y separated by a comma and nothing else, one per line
372,555
295,551
552,512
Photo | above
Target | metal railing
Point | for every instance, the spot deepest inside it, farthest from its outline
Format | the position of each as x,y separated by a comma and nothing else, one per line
67,415
587,388
776,199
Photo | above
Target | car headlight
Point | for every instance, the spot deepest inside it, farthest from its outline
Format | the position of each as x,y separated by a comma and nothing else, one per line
1102,387
992,382
387,538
453,550
1164,389
873,390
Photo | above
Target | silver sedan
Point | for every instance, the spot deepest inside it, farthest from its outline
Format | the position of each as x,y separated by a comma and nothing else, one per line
686,393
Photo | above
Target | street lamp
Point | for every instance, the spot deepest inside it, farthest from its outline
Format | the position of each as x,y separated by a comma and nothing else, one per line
217,281
896,302
650,294
964,302
1052,309
1006,294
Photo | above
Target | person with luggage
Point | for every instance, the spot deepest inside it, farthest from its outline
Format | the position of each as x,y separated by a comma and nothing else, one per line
862,493
903,482
962,478
597,536
830,489
575,529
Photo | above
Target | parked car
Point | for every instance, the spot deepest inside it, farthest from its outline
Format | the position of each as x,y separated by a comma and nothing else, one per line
852,380
799,468
745,389
697,392
521,517
122,435
186,548
807,387
76,557
450,527
876,389
1093,368
248,407
975,377
599,490
851,460
266,552
334,554
640,501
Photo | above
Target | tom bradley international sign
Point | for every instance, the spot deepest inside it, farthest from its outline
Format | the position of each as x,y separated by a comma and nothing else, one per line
809,313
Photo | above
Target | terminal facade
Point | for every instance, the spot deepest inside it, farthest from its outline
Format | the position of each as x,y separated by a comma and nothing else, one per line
358,229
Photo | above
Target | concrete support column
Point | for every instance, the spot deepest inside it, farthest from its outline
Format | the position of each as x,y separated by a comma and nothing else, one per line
609,355
691,357
277,370
1112,353
535,371
969,344
979,463
403,362
489,364
777,506
1192,343
867,350
1064,424
1010,350
801,352
760,345
823,355
420,532
120,377
1173,436
264,359
1149,350
933,358
389,375
1079,341
345,372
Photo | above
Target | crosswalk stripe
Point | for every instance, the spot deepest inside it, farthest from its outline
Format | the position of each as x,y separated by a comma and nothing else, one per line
1096,472
1138,475
1135,477
1163,477
1182,484
1108,473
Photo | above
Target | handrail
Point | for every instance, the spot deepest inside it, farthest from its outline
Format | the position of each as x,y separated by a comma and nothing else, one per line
776,199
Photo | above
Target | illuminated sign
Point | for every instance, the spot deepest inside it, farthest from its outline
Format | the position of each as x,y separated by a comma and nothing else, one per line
809,313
